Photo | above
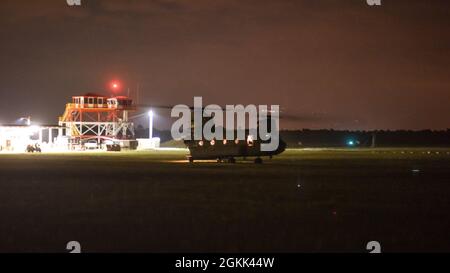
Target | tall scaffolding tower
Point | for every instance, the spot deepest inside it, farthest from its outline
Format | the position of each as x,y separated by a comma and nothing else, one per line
95,117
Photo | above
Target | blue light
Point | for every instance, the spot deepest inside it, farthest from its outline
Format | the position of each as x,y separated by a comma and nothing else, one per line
350,143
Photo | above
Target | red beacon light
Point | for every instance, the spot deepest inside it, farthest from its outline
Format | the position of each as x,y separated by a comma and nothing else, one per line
115,86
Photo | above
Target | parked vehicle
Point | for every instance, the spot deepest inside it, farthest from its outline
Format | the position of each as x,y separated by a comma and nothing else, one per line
91,145
33,148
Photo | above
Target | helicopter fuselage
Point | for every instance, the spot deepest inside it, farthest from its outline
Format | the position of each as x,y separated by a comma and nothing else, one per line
227,149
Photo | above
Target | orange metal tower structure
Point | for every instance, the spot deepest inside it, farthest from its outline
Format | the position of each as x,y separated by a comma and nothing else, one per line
93,116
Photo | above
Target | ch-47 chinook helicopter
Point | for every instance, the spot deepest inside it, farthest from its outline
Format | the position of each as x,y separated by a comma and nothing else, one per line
227,150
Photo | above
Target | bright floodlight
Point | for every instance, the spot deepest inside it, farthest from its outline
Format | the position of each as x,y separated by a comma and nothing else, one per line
34,128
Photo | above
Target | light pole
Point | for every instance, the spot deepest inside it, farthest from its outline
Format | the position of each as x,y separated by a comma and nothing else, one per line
150,128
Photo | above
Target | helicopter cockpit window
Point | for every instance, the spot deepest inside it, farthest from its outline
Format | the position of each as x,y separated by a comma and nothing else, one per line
250,140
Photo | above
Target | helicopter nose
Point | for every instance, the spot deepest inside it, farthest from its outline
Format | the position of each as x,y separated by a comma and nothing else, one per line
282,146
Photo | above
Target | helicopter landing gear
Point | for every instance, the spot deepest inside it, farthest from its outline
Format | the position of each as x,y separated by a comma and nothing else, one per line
226,160
258,160
231,160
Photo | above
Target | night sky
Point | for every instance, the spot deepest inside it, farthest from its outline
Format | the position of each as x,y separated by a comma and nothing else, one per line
342,64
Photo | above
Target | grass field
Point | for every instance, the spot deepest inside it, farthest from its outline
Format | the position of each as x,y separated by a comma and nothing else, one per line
301,201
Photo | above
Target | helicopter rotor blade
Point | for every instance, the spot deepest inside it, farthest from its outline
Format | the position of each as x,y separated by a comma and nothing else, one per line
283,114
154,106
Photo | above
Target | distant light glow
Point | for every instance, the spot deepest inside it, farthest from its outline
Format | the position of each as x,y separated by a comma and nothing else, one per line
115,86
